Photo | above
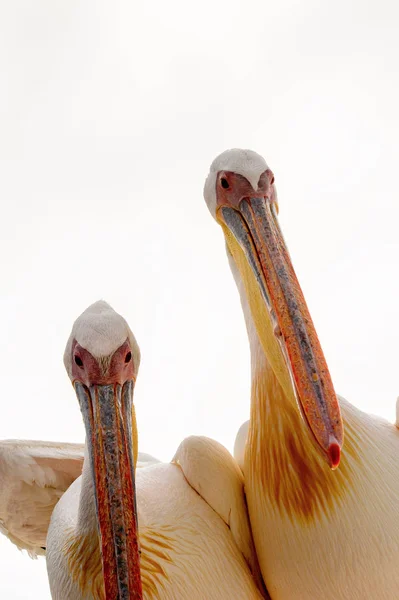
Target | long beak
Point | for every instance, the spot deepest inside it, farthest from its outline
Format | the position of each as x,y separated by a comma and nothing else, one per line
282,318
107,414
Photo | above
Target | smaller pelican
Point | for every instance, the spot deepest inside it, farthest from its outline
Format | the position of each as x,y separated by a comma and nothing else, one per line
193,527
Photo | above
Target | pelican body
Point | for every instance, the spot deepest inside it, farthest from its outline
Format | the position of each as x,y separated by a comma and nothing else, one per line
187,549
321,477
129,527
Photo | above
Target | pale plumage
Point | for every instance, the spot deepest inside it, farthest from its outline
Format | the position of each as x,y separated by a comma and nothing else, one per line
33,477
318,533
194,534
193,531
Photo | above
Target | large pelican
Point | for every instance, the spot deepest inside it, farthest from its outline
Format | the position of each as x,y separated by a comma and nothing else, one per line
320,531
193,528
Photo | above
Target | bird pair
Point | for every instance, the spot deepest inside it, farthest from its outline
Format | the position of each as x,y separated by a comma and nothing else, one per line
319,531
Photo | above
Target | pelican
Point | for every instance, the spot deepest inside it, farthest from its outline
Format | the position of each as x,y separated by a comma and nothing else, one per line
187,517
323,507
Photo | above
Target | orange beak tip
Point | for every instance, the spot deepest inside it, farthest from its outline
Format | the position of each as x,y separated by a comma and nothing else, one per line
334,453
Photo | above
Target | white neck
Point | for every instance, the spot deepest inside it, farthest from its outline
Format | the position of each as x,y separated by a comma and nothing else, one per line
280,453
87,516
326,523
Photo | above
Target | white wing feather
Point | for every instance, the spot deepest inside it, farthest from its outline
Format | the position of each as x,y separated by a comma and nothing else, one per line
214,474
145,460
33,477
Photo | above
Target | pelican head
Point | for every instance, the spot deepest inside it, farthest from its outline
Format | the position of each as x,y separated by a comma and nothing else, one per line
241,196
102,360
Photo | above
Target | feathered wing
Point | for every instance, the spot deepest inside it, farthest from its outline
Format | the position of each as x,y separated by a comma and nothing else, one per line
33,477
146,460
214,474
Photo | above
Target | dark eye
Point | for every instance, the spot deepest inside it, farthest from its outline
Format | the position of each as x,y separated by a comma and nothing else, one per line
272,180
78,361
224,183
128,357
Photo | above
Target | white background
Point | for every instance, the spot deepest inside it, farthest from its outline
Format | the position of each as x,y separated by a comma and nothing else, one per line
111,113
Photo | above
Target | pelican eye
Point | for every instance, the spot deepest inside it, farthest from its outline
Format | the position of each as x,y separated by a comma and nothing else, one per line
128,357
224,183
78,361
